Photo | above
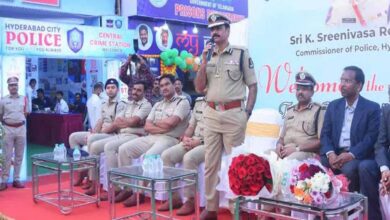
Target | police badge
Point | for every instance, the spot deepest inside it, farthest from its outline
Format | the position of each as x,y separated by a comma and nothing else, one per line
302,76
118,24
75,39
213,18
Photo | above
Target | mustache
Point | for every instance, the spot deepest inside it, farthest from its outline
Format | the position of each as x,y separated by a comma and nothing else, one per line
215,35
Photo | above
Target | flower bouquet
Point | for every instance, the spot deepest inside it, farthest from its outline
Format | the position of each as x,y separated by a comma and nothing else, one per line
311,183
248,174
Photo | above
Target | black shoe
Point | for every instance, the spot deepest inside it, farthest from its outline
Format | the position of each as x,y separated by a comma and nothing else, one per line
3,186
18,184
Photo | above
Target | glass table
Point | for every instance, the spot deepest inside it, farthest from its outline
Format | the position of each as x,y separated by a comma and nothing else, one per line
64,198
134,177
345,206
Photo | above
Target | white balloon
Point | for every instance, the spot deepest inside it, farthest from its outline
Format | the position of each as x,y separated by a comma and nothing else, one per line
197,60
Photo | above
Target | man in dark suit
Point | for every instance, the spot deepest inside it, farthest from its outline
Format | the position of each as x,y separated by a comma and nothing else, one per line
382,150
348,137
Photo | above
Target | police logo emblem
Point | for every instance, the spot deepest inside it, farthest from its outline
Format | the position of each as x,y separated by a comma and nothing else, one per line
213,18
251,65
302,76
75,39
118,24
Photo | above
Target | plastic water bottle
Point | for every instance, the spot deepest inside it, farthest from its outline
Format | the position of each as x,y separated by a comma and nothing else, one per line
76,153
153,165
146,164
62,152
159,164
56,152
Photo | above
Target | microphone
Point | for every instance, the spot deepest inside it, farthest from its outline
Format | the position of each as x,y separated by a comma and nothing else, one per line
210,51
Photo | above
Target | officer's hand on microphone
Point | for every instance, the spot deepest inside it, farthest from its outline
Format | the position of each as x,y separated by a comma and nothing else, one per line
206,50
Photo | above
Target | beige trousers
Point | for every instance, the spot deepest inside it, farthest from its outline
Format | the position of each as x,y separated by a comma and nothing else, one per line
151,144
224,130
191,160
111,148
14,141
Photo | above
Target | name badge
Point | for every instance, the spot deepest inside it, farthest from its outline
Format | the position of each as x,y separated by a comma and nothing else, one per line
231,62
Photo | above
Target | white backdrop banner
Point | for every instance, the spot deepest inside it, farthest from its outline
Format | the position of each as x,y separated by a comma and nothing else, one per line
321,37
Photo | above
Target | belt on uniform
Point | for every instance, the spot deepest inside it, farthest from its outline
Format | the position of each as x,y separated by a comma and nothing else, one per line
225,106
14,125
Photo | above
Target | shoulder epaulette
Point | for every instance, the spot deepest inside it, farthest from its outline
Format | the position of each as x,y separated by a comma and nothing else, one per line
201,98
290,107
180,98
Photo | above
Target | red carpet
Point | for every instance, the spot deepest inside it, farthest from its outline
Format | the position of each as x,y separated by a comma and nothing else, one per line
18,204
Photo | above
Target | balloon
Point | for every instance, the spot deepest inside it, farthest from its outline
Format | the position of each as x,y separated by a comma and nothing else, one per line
197,60
183,66
169,62
175,52
164,55
190,55
178,60
184,54
190,60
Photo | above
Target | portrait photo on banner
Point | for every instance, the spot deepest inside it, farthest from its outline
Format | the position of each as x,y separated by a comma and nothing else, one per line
145,36
164,38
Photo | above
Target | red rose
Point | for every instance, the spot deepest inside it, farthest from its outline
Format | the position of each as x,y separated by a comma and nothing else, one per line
260,182
260,160
233,164
240,158
251,160
292,188
255,188
266,164
303,168
247,192
242,173
249,174
327,194
260,168
251,171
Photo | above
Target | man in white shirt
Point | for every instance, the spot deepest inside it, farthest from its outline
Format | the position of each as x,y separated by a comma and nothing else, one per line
61,106
31,92
94,105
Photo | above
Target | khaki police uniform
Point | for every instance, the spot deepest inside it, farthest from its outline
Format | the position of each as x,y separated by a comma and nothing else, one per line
140,109
229,72
191,159
109,112
156,144
303,126
13,110
109,109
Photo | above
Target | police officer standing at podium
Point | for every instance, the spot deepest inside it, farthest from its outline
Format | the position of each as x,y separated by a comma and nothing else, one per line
226,71
13,111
